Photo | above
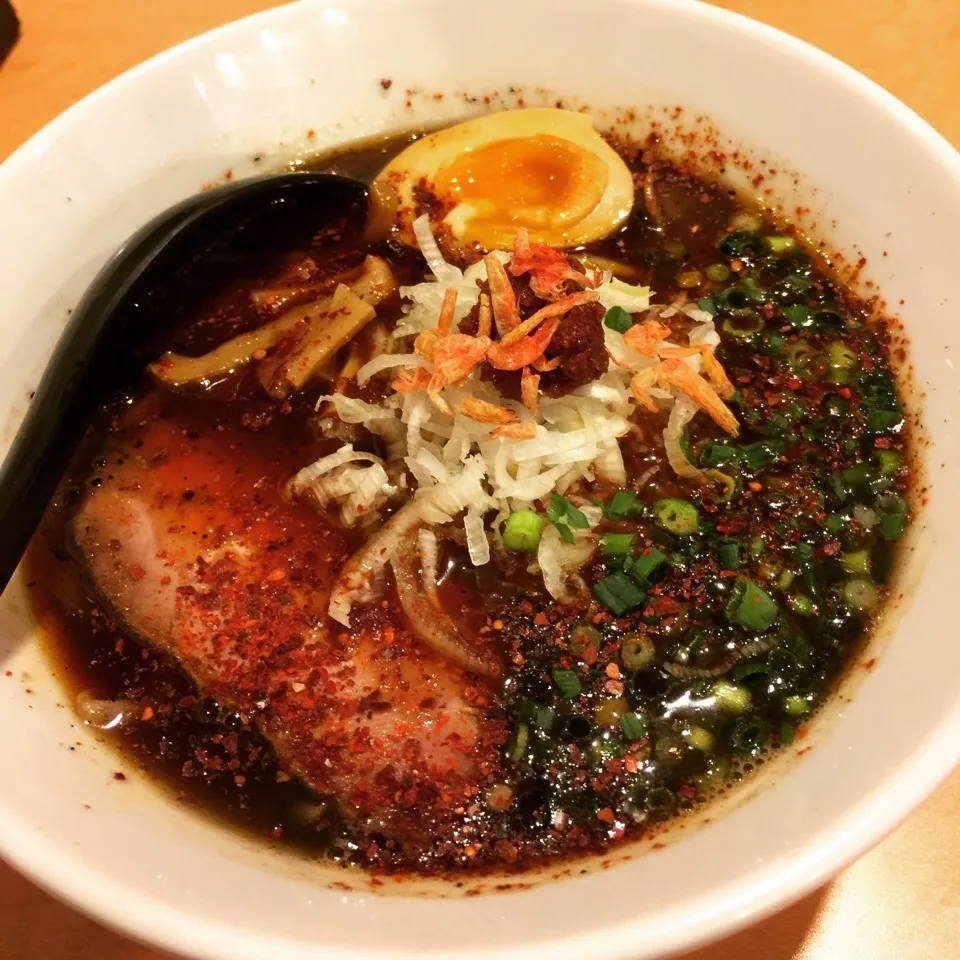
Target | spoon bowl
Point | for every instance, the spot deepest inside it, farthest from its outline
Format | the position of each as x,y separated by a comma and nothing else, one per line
109,339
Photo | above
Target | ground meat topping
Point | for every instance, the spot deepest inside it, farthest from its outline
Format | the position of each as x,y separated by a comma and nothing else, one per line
579,340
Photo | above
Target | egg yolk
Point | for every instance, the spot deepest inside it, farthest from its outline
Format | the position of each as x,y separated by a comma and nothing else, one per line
543,183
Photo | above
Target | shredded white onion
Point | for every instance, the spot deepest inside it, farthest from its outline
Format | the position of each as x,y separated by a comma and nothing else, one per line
359,491
559,561
610,466
388,361
432,624
683,411
443,271
429,549
477,543
616,293
346,454
352,410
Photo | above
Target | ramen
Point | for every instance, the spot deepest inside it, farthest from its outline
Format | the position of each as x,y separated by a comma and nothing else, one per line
499,528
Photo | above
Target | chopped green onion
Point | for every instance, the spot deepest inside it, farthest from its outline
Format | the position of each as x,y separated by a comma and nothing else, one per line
718,272
618,593
708,304
888,462
857,561
784,580
829,319
786,733
756,547
621,503
688,279
750,668
780,244
755,293
878,421
660,800
861,595
584,636
716,773
762,454
717,454
835,524
648,563
606,746
743,323
840,356
730,697
775,343
756,610
749,734
517,744
543,717
857,475
567,682
728,555
522,531
892,510
840,489
676,516
726,486
564,516
616,318
698,738
739,244
617,544
806,362
637,651
768,570
801,605
634,726
674,249
798,316
796,706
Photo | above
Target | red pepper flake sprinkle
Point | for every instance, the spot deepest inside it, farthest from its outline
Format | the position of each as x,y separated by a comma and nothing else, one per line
606,815
137,572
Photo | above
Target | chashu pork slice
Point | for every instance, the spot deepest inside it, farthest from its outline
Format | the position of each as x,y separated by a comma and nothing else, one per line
189,544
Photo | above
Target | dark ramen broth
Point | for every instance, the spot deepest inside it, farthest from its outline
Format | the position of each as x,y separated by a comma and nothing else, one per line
608,721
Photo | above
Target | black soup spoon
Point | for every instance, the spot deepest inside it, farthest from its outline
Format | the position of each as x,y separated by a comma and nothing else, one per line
107,342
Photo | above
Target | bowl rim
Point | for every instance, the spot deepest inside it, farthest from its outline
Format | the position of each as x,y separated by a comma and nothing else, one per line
741,901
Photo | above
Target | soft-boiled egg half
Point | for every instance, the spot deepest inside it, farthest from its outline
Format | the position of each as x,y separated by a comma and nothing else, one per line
545,170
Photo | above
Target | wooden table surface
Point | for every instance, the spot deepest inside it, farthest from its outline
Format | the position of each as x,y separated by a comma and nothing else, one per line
900,901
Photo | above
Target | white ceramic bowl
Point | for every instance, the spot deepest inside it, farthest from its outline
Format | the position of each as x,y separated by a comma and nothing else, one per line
133,858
